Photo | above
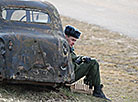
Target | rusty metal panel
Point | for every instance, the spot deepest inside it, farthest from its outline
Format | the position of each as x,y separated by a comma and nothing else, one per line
32,51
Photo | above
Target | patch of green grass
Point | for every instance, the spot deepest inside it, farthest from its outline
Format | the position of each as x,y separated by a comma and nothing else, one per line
30,93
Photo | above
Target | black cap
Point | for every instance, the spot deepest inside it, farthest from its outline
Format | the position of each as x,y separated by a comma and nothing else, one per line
71,31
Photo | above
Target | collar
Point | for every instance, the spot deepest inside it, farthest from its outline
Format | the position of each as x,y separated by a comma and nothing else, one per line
71,49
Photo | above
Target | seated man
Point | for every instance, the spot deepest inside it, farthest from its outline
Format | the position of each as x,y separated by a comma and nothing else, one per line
84,66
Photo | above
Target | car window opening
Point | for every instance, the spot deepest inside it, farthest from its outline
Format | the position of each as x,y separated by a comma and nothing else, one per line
25,16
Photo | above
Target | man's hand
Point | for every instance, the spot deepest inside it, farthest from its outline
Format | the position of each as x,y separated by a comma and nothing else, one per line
86,59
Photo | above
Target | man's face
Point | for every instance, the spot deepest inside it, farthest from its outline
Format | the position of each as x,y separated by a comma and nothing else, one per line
71,40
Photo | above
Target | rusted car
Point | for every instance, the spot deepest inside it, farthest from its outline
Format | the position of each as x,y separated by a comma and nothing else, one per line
33,49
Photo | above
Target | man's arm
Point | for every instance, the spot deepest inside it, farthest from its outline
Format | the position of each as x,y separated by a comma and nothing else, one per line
76,59
80,59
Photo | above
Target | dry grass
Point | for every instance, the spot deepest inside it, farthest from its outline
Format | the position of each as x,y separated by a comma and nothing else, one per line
118,58
117,55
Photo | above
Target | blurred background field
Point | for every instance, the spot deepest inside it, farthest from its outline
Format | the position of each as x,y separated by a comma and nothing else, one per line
117,55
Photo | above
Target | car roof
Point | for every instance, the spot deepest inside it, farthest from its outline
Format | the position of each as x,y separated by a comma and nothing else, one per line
38,4
34,4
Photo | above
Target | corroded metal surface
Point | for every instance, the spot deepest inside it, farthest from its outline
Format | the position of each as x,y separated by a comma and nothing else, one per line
33,52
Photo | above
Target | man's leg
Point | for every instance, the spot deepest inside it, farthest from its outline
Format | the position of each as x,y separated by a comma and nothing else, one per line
92,73
90,70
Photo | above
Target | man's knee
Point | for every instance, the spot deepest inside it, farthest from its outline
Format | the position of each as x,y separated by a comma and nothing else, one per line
94,61
94,65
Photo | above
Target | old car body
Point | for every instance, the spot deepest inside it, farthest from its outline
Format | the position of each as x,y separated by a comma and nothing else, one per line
33,48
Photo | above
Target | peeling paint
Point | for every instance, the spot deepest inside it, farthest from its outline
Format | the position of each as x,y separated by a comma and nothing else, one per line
34,52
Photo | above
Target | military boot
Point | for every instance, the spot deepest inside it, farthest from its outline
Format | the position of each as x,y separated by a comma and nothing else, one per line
99,93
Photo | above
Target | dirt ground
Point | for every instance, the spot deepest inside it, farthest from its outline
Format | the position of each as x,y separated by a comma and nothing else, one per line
118,58
117,55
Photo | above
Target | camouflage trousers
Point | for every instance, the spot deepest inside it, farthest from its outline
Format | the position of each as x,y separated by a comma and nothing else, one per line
90,70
